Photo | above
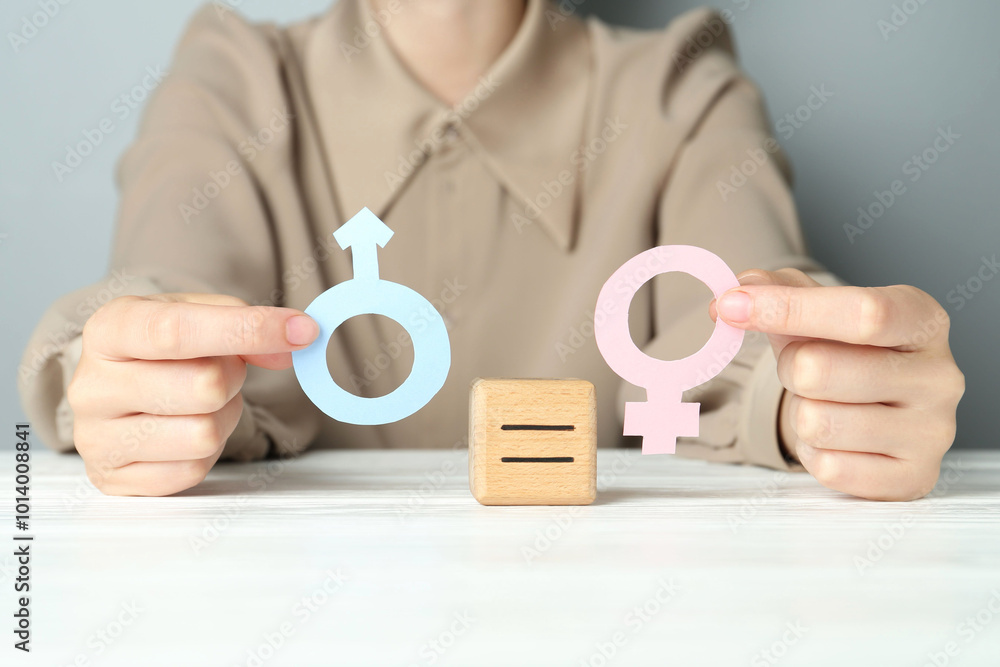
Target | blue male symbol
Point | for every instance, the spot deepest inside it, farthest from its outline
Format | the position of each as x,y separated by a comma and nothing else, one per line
366,293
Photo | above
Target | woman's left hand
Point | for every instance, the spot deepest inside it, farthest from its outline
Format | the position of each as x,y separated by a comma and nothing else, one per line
871,384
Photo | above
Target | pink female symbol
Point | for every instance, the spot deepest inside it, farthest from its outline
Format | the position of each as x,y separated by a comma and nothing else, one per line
663,417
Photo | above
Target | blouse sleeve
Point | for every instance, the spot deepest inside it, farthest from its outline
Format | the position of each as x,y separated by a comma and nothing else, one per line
194,216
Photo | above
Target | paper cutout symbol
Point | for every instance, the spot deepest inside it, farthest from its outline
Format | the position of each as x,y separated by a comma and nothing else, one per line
366,294
663,417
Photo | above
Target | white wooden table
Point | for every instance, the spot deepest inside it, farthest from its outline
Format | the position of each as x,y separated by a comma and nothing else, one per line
384,558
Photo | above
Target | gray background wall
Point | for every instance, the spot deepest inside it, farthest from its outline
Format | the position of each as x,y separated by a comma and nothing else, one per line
891,95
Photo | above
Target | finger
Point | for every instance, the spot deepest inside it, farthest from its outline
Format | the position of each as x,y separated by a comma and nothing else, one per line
274,362
139,328
199,297
160,478
880,316
144,437
171,387
834,371
788,277
866,475
871,428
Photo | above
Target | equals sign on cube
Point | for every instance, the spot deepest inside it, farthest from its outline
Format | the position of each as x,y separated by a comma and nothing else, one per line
533,442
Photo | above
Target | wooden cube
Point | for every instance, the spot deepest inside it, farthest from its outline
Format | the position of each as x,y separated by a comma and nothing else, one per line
533,442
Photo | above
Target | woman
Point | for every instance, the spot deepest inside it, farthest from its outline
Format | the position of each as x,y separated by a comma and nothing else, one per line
521,155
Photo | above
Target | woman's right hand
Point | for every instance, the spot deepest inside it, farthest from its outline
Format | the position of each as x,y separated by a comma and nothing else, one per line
157,391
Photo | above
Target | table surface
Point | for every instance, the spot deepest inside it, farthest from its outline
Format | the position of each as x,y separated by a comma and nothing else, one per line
384,558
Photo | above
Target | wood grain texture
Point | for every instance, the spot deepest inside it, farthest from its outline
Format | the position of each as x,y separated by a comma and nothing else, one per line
220,568
533,442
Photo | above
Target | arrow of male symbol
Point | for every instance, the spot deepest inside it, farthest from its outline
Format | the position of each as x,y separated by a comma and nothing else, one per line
364,234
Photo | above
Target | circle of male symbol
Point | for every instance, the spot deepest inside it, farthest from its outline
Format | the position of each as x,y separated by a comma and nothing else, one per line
365,294
663,417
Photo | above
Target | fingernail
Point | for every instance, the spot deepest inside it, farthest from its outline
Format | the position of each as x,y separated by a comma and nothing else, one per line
301,330
735,306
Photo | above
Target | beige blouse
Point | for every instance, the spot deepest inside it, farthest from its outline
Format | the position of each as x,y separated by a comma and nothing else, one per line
584,145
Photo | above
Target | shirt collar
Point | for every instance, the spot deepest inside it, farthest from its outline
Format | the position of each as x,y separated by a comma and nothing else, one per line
525,119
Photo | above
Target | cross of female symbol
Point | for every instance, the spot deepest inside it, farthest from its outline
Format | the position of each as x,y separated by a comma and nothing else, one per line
663,417
366,293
